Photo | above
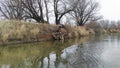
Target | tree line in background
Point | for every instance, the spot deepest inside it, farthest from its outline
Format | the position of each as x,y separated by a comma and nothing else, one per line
106,24
43,11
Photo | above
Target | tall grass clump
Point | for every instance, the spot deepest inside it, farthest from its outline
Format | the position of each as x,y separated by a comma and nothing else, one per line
78,31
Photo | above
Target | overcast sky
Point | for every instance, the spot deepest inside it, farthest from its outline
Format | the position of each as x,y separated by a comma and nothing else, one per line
110,9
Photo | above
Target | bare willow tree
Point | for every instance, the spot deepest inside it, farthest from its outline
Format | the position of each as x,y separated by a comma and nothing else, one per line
12,9
33,10
62,7
85,11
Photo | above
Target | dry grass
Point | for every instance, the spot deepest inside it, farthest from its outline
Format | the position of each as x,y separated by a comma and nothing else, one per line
114,30
27,31
78,31
19,30
4,37
82,31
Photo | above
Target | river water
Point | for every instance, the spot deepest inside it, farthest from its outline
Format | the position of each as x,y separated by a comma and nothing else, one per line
87,52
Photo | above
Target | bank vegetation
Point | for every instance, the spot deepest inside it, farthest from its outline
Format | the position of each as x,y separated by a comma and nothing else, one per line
29,32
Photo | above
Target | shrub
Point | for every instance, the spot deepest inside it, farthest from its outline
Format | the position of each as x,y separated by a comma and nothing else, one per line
4,37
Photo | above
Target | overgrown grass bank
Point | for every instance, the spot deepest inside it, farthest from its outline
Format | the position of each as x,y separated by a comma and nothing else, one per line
27,31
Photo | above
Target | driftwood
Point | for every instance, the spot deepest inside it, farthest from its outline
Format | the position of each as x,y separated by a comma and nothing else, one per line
59,35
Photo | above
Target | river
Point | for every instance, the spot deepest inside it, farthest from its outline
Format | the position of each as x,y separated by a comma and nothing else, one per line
87,52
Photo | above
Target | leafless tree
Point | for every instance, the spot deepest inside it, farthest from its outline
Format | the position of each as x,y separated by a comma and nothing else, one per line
113,25
82,10
47,11
62,7
12,9
85,11
105,24
118,24
34,10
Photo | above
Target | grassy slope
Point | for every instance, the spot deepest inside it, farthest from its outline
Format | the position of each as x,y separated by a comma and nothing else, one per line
25,31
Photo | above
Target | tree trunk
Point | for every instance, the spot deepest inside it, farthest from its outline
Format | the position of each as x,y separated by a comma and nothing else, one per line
57,22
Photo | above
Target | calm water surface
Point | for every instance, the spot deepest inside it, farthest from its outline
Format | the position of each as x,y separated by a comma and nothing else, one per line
95,52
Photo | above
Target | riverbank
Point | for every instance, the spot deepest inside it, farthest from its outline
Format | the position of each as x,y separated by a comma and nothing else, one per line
20,31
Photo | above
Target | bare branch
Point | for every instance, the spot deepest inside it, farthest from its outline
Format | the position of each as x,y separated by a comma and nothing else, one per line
85,11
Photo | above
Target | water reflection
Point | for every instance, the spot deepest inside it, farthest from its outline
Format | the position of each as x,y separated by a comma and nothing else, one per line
94,52
35,55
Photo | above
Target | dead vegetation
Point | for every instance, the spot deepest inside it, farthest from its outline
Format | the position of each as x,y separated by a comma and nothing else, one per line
27,31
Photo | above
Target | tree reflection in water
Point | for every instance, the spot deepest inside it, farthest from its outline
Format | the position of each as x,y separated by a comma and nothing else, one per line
70,54
85,59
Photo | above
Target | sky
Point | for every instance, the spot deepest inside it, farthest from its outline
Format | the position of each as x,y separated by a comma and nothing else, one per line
110,9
